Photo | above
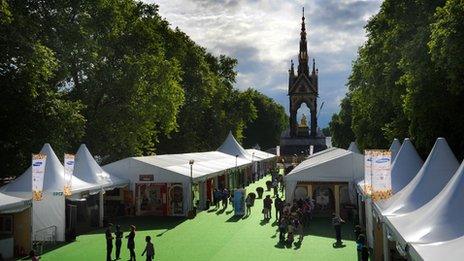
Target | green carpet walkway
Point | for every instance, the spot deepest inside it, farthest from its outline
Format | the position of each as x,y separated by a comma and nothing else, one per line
215,235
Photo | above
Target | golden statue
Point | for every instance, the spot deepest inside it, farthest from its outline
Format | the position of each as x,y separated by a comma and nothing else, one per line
303,122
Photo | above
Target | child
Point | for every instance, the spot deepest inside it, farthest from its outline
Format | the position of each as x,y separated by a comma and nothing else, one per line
33,256
149,249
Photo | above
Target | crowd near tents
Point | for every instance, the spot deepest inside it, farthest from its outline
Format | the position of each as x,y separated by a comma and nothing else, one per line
150,185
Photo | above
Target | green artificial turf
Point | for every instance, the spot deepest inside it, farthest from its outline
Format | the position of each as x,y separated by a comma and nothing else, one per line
216,235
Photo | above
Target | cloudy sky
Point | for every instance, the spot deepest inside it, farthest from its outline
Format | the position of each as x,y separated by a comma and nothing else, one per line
264,35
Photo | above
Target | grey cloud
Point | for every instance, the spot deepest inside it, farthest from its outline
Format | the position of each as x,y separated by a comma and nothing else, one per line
263,35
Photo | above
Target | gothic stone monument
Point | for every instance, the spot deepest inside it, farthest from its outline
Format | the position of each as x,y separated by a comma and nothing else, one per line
302,88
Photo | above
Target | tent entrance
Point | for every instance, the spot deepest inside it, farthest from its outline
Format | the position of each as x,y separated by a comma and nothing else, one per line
82,215
328,197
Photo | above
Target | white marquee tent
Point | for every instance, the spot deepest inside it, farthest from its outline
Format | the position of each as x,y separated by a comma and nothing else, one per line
429,181
440,220
88,170
175,168
49,213
330,165
354,148
405,167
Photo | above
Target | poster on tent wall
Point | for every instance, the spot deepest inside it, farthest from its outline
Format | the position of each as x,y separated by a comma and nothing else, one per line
68,172
239,202
38,172
378,172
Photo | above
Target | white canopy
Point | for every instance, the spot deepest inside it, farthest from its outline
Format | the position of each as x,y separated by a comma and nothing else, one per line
171,168
232,147
354,148
258,155
88,170
453,250
432,177
405,167
331,165
9,204
441,219
53,178
394,148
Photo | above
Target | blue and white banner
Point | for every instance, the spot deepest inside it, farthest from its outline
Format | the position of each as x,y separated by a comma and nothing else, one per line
239,202
378,174
69,161
38,172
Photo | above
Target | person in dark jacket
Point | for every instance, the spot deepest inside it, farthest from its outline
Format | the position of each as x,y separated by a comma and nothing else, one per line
267,202
131,243
337,224
278,205
109,242
118,241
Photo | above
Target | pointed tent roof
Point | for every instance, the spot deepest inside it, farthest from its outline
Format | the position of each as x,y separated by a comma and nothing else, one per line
429,181
232,147
88,170
394,148
53,178
354,148
438,220
405,167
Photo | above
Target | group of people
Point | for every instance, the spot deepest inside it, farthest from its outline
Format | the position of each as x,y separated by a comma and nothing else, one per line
292,218
118,236
221,196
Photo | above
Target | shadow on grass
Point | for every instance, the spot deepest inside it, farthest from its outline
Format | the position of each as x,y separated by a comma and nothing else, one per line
338,245
230,211
234,218
322,227
220,211
264,222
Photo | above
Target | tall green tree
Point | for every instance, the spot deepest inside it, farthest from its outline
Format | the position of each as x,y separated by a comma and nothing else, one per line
270,122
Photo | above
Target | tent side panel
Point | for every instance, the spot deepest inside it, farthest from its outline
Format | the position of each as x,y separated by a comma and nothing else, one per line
48,212
22,229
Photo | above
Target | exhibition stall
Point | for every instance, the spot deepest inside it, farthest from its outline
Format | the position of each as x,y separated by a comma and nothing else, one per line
439,220
328,177
48,214
161,184
14,232
86,210
427,183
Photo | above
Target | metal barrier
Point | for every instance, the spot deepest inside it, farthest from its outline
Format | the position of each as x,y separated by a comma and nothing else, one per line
43,237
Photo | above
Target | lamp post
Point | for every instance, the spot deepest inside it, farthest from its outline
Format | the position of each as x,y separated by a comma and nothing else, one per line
253,166
191,182
236,173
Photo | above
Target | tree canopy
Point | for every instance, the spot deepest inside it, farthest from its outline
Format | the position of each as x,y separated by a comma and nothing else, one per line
114,75
407,80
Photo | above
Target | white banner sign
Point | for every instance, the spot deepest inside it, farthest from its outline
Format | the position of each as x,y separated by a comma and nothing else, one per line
38,172
68,172
378,174
311,149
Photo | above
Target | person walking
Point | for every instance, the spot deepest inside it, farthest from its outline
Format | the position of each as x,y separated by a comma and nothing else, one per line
267,202
231,198
248,203
118,241
282,229
299,230
275,187
131,243
225,198
216,198
149,249
109,242
337,224
278,205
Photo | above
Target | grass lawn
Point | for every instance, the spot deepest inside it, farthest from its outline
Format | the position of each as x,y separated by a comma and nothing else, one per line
215,235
